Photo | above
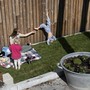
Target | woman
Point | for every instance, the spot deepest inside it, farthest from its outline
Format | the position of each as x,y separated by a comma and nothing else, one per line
17,35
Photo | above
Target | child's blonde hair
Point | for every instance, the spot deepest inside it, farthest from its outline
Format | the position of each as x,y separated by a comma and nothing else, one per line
16,41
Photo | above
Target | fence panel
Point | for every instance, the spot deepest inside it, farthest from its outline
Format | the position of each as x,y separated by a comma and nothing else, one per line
67,17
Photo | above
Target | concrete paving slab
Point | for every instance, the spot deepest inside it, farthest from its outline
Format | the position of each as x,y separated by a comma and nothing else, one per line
56,84
8,79
48,81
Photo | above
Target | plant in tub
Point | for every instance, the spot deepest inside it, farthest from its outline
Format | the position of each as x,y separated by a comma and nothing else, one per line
79,64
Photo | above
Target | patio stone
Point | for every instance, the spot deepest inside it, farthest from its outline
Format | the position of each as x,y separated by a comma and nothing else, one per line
56,84
7,79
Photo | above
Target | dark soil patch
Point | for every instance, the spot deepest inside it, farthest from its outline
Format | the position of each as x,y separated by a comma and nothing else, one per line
79,64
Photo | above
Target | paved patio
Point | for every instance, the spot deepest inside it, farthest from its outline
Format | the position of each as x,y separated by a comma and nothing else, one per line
48,81
57,84
51,81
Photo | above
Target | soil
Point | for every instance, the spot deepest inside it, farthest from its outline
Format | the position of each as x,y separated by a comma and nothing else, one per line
79,64
1,84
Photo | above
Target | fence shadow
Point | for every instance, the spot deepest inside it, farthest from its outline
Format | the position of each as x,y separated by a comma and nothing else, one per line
87,34
66,45
84,15
60,18
62,41
61,74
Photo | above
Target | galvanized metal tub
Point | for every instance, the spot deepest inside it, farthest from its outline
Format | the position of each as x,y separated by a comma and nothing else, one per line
77,81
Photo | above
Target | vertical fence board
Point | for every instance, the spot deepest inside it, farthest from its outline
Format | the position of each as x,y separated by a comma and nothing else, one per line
88,18
43,17
7,20
37,20
34,17
21,20
28,13
14,14
71,16
24,19
0,13
66,18
4,22
31,21
40,19
17,7
10,15
1,37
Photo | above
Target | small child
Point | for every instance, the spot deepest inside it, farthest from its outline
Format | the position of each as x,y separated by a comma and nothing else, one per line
47,27
16,53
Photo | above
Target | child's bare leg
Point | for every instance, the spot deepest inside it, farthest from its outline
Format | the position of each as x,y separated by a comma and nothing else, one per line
19,63
15,64
48,42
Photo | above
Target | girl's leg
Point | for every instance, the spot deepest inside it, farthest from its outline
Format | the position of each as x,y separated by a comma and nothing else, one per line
19,63
48,42
15,63
54,37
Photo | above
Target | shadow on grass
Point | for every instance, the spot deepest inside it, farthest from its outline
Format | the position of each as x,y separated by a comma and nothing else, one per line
87,34
66,45
61,74
60,18
68,49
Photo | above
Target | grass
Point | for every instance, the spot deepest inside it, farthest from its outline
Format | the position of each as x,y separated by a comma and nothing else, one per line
51,55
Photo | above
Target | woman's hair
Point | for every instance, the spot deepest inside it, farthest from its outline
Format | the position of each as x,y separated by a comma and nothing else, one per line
14,33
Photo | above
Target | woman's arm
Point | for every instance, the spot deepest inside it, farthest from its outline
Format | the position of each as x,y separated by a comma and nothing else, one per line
27,34
37,28
11,40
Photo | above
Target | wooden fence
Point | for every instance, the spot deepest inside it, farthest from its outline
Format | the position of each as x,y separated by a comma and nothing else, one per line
67,17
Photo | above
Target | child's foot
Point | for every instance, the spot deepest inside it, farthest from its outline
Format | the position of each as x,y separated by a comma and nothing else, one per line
16,68
51,41
19,68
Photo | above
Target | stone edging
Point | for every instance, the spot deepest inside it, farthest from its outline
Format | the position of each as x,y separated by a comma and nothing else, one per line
31,82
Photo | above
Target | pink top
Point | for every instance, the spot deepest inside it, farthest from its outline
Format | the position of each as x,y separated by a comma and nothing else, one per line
15,51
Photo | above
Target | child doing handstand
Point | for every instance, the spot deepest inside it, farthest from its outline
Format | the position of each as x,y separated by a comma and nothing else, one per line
47,27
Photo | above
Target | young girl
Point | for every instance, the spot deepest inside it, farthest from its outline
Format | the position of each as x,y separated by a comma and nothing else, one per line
47,27
15,49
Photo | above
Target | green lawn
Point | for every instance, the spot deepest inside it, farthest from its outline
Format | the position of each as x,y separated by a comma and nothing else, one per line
51,55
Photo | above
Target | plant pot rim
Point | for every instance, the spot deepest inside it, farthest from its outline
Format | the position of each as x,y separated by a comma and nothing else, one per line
74,54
